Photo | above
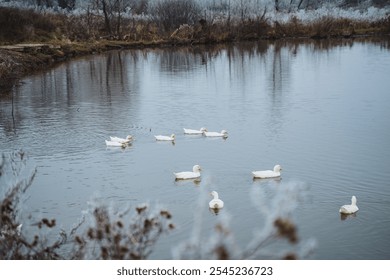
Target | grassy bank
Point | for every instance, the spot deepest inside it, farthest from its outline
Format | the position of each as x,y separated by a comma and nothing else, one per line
19,60
68,35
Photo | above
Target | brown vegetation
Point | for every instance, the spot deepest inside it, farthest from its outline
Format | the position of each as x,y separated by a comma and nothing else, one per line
30,26
75,35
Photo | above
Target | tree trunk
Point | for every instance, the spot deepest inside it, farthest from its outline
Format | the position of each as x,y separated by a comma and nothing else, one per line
106,17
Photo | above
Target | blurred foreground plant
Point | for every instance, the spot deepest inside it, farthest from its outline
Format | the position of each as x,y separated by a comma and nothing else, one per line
111,235
105,233
274,233
15,179
117,236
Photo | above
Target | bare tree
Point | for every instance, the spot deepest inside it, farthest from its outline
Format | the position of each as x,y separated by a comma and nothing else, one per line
113,14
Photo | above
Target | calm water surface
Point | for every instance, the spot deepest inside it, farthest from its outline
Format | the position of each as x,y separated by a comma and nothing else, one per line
321,110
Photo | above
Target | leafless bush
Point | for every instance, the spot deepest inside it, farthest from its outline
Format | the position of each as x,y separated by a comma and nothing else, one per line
82,28
118,236
170,14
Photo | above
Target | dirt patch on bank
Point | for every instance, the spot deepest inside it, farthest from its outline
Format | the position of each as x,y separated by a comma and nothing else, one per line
14,64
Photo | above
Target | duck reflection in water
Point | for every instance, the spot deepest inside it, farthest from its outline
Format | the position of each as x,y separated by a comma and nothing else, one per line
214,211
181,182
344,217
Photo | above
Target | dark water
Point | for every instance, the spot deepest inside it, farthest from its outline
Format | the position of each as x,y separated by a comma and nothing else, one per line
320,109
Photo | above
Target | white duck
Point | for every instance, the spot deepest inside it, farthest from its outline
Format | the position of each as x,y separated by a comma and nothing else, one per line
188,174
115,144
268,173
215,203
223,133
165,138
194,131
126,140
349,209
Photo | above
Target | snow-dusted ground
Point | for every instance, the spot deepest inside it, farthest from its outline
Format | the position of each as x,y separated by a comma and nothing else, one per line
221,9
370,14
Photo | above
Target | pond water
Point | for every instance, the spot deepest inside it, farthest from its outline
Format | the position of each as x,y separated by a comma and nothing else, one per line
320,109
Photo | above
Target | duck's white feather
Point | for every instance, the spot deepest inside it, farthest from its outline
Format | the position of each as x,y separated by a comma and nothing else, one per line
349,209
126,140
115,144
268,173
165,138
194,131
194,174
215,203
223,133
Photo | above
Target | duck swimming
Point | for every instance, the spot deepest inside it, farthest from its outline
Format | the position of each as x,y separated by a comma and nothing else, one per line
194,131
223,133
115,144
188,174
215,203
268,173
165,138
126,140
349,209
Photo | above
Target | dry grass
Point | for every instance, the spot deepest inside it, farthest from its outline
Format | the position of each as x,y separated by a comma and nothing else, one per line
14,65
30,26
86,34
25,25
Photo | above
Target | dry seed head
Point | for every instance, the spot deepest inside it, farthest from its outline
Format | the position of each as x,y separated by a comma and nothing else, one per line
286,229
90,233
141,209
79,240
165,214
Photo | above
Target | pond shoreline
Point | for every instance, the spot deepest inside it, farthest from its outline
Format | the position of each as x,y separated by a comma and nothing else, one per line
17,61
20,60
32,40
